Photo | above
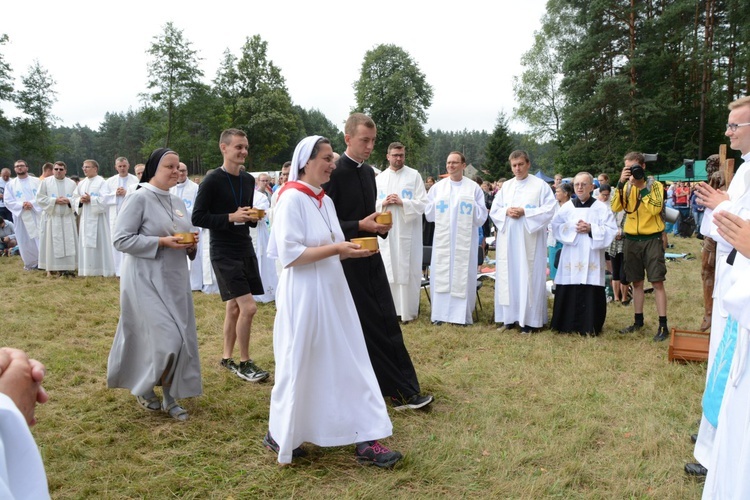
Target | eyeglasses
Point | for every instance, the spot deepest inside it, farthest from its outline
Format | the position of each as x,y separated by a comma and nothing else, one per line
58,169
734,126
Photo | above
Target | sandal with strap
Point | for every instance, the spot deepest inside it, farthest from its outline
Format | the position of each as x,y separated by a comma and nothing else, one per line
151,404
176,411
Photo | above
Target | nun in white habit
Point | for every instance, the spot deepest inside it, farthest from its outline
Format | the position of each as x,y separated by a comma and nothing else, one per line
156,341
325,389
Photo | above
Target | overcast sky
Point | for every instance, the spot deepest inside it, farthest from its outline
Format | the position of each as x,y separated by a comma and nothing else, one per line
96,50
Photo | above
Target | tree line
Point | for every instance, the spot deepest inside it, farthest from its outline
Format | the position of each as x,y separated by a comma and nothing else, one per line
607,77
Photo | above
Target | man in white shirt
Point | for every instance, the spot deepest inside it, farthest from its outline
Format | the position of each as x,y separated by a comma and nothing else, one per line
456,205
186,190
92,199
4,178
20,198
735,201
119,184
58,242
401,192
521,211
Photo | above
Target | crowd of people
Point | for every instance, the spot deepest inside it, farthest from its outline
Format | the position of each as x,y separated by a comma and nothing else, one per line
339,352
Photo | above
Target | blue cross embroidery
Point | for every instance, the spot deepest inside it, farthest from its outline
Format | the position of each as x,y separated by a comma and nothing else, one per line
442,206
381,195
406,194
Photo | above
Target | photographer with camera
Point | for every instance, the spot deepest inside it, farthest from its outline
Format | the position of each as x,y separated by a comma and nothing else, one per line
643,201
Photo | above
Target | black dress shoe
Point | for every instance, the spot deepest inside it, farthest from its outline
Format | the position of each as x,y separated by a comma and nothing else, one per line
695,469
662,334
694,438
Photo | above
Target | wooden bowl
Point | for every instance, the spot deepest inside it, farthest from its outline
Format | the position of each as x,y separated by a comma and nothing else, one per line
186,237
256,212
384,218
370,244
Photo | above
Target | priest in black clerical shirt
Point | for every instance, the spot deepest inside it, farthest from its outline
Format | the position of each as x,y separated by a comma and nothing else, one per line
352,189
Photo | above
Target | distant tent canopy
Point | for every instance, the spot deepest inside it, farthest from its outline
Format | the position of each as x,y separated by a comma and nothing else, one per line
545,178
678,174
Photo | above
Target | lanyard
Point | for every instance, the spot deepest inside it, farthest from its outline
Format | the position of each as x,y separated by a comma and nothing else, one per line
234,195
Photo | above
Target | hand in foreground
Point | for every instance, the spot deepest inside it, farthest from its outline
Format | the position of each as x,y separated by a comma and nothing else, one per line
21,380
735,230
368,224
710,197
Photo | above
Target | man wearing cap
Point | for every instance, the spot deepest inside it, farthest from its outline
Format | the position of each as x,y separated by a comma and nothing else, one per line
92,199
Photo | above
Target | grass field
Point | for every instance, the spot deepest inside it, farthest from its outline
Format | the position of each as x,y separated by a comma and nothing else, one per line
515,416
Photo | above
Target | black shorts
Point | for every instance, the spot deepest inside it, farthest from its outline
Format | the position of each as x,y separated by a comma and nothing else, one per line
237,276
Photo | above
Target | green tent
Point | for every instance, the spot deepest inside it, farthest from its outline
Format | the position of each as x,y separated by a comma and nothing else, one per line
678,174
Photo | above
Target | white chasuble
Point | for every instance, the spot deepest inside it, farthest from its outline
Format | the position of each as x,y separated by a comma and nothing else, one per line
458,210
520,246
402,249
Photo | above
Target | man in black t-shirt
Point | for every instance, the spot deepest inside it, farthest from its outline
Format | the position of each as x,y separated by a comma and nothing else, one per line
222,206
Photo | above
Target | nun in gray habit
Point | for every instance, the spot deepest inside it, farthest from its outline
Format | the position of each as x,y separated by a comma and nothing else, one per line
156,342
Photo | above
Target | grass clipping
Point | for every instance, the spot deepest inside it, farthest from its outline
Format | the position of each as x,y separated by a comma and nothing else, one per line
515,416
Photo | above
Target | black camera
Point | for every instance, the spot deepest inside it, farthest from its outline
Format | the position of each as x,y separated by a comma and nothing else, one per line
637,172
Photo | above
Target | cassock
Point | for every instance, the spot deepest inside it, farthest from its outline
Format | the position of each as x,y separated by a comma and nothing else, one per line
730,454
95,249
402,250
187,192
352,189
580,299
157,328
21,469
325,391
458,210
58,242
18,191
520,247
266,264
739,204
114,182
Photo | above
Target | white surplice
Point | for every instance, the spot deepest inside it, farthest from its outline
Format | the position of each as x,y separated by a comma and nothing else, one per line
402,249
325,389
21,469
187,191
520,249
266,265
729,474
18,191
458,210
738,203
58,242
95,248
114,182
582,258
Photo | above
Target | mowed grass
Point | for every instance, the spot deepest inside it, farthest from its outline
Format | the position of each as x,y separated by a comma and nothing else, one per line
515,416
